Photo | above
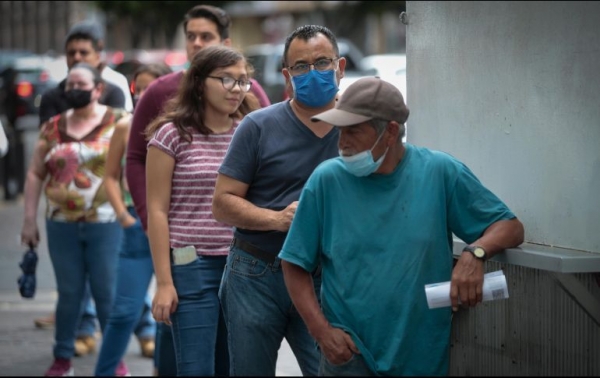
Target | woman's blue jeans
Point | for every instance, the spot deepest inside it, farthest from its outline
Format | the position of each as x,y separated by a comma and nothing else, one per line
259,313
81,250
134,273
88,322
199,333
164,354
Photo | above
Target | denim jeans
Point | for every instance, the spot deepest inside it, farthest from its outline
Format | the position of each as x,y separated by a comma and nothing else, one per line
164,355
88,321
199,335
132,302
79,250
355,367
259,313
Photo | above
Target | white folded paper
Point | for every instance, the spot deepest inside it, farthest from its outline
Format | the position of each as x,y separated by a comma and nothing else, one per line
494,287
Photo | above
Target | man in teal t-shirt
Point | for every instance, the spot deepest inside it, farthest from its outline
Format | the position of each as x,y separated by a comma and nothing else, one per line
380,220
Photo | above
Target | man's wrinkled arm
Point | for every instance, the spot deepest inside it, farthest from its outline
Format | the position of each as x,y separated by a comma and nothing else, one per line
467,275
335,344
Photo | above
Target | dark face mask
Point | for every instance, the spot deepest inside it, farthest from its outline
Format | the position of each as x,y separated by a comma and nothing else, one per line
78,98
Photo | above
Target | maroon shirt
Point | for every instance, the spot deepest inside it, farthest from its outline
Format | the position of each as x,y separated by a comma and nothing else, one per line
146,110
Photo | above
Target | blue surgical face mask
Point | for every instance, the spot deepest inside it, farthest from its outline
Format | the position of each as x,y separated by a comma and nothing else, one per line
362,164
315,88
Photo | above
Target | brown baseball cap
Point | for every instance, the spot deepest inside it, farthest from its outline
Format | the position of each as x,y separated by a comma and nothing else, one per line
365,99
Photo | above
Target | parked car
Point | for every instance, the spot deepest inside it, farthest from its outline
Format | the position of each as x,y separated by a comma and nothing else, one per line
267,62
389,67
23,80
22,84
8,55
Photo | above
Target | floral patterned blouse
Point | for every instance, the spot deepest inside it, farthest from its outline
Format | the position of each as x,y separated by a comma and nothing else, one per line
75,189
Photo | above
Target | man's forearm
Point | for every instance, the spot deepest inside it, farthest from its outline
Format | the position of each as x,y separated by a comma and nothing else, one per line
501,235
300,286
239,212
135,169
136,181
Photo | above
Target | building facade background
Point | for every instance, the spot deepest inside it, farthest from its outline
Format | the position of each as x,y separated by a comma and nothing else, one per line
40,26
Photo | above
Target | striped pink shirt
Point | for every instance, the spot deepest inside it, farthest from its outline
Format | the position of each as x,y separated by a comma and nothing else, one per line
191,221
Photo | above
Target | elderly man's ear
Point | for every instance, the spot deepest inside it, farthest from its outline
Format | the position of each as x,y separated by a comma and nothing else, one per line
393,129
341,68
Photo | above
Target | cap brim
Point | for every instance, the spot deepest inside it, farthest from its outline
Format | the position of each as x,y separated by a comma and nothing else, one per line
337,117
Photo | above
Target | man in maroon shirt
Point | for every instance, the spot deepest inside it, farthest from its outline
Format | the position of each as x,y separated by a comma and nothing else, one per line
204,25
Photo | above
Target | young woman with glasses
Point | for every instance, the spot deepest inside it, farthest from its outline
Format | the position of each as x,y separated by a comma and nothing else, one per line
189,247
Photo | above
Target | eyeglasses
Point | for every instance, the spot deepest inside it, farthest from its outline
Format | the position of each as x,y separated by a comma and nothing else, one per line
229,83
320,65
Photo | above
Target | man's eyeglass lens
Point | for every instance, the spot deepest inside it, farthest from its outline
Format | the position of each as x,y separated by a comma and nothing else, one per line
319,65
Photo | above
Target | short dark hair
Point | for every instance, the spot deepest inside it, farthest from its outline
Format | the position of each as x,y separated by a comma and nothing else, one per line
87,30
95,73
155,69
215,14
306,32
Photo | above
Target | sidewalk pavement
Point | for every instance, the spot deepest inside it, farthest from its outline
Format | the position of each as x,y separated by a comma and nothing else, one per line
26,350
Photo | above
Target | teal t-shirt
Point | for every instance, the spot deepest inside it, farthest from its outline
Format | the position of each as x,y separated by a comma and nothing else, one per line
380,240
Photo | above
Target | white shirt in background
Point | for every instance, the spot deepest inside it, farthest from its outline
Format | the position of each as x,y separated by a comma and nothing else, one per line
118,79
3,141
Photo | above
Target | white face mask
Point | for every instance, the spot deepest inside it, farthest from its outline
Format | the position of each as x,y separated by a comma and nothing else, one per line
362,164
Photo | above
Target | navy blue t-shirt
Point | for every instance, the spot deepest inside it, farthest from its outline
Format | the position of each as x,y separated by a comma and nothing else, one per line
274,153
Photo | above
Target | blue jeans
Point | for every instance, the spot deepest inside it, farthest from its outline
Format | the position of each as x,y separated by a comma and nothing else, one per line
355,367
79,250
131,299
164,354
88,321
198,329
259,313
145,327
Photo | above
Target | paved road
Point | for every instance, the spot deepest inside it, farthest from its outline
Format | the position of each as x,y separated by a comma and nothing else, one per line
27,351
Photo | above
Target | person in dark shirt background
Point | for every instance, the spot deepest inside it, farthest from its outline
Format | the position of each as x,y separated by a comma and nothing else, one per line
84,43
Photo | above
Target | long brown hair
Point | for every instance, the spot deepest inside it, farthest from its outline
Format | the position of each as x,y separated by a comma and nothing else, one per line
186,109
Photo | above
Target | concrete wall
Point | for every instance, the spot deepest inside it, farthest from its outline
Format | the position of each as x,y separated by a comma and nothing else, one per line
513,90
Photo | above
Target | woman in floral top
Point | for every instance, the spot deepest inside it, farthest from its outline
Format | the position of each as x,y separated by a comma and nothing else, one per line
83,233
